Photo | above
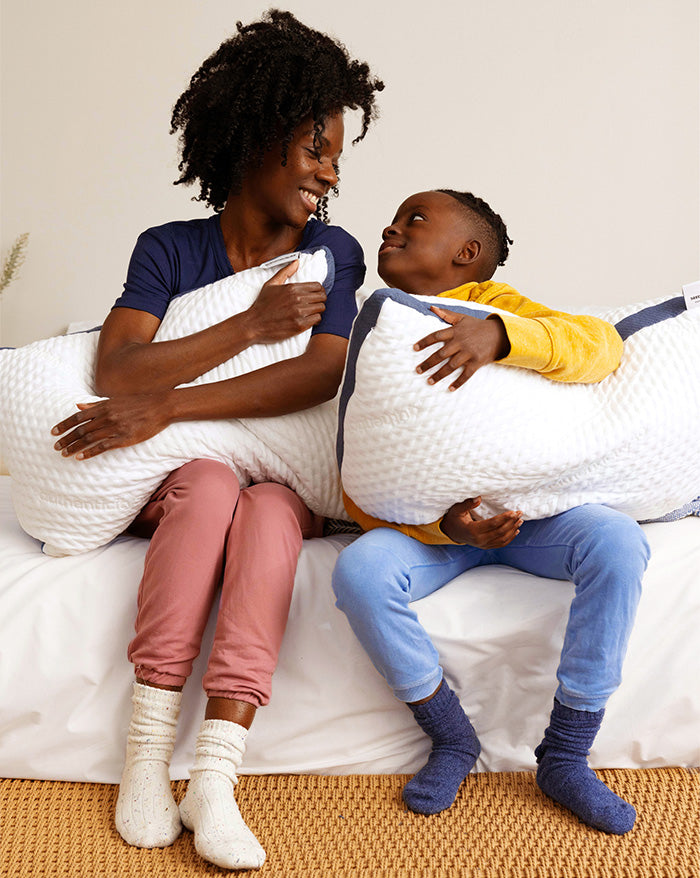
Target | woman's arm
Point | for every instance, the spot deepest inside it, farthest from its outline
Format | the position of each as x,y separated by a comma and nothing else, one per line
129,361
142,377
277,389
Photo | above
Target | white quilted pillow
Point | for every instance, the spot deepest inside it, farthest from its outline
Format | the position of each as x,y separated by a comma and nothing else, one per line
73,506
408,450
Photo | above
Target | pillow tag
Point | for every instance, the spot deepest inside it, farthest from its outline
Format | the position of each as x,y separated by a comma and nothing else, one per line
691,293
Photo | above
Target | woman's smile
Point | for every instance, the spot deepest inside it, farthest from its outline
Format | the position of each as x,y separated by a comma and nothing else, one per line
310,199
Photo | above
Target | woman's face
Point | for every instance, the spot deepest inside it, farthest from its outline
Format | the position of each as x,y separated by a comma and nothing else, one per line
289,193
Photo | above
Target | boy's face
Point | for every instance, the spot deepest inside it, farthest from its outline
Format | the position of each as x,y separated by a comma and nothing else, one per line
418,249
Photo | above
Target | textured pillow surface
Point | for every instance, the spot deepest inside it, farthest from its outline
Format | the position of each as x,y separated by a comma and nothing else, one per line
408,451
73,506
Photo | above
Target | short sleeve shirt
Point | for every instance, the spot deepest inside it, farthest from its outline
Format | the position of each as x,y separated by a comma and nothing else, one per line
181,256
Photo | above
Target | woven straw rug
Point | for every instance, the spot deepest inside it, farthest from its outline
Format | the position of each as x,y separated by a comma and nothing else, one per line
321,827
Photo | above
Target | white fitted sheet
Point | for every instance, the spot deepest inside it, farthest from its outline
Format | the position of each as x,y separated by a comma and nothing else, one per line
65,681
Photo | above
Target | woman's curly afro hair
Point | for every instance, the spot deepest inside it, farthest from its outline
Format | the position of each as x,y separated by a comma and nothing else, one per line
253,92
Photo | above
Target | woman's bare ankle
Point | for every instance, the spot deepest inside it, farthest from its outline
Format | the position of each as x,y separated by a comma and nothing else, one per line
232,710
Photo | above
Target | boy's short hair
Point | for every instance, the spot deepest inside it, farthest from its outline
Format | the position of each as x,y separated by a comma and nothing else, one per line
490,225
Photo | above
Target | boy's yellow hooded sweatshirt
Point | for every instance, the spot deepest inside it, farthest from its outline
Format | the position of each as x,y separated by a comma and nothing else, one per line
573,348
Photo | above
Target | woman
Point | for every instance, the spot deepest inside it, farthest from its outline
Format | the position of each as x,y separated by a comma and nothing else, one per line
261,127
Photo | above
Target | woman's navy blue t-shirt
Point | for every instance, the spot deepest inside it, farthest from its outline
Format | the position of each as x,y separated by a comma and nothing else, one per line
182,256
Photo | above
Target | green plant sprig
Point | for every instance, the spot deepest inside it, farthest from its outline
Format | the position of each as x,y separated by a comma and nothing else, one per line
13,261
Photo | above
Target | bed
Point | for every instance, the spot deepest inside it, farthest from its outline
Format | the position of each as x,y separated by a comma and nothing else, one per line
66,682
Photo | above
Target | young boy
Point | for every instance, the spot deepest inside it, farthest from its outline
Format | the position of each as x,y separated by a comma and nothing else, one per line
446,242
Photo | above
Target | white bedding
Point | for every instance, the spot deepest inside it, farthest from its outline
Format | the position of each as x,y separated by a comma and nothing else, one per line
73,506
408,451
65,681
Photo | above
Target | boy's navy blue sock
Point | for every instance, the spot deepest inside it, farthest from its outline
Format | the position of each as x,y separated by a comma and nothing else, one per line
455,750
564,775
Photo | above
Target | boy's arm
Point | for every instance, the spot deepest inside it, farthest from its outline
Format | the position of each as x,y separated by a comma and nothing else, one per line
425,533
563,347
463,530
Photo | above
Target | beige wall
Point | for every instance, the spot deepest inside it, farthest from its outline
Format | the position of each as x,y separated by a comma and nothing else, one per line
578,122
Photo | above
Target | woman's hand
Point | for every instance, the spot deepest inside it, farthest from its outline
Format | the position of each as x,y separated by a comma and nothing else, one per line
112,423
490,533
467,344
285,309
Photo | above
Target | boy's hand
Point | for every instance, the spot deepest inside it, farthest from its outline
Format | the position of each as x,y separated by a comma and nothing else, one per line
468,343
490,533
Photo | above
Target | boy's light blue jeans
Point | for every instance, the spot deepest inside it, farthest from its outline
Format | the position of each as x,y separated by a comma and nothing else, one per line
603,552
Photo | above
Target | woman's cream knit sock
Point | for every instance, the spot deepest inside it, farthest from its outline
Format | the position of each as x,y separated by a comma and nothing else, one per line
209,807
146,814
